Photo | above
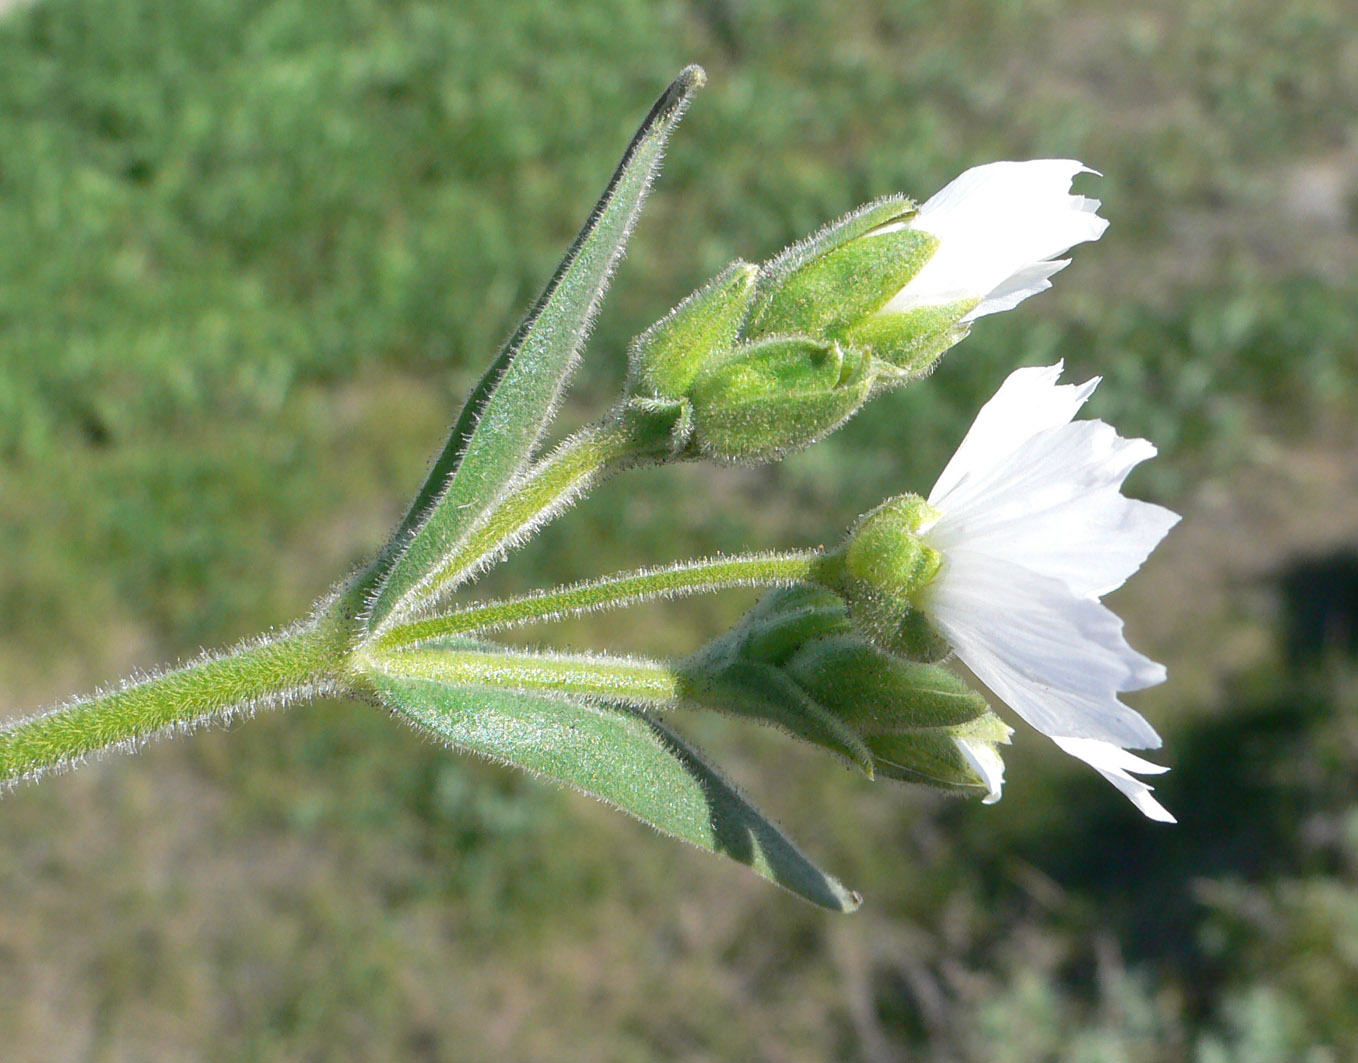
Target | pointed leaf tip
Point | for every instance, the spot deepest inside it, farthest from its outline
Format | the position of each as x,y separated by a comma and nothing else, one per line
690,80
625,758
514,402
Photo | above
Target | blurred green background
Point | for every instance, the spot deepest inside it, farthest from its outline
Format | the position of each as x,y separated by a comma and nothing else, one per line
252,252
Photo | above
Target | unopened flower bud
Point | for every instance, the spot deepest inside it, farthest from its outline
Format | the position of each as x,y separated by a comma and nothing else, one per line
796,662
667,357
920,722
776,395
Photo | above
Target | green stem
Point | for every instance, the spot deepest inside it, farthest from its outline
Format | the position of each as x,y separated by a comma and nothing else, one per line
628,439
299,664
636,681
611,592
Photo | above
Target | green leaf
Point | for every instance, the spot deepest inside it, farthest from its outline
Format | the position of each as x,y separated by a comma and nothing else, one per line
513,403
622,757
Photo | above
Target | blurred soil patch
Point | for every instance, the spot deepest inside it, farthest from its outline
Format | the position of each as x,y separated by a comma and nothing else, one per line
1208,602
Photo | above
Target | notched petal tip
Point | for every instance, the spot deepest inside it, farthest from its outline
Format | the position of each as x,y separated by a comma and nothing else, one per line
1116,765
1032,530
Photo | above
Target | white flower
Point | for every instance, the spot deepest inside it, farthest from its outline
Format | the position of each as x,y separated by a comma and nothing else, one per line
1000,228
1033,529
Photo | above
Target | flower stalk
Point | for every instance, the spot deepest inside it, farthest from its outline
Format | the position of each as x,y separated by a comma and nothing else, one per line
637,681
545,490
703,576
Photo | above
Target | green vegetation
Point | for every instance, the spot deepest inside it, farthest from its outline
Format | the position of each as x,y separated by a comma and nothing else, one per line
253,254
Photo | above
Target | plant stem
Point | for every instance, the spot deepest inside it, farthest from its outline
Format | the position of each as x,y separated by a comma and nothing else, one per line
301,663
636,681
631,437
611,592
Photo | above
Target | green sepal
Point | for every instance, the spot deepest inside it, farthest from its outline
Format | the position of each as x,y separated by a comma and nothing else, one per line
776,396
728,675
786,619
874,215
829,294
515,400
622,757
667,357
933,757
656,426
885,568
880,694
740,673
913,340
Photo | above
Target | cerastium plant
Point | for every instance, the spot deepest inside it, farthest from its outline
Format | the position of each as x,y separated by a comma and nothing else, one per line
1003,564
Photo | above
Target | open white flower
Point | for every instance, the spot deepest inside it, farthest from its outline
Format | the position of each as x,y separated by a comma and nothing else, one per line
1000,228
1033,529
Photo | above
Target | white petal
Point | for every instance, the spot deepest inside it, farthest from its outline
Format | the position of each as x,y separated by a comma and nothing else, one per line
986,763
1056,659
1028,281
1054,506
1033,529
1115,764
1000,227
1028,402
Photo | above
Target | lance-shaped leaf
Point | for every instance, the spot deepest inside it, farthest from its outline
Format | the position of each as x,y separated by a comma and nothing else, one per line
622,757
513,403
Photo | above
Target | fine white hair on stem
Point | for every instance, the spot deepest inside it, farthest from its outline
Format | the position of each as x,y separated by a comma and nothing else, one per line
196,706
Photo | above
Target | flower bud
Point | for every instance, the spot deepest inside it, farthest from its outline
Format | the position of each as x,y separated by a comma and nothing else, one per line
920,722
775,396
824,295
886,569
740,673
667,357
796,662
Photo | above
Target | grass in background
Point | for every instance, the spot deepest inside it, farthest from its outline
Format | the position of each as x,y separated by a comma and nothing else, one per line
252,253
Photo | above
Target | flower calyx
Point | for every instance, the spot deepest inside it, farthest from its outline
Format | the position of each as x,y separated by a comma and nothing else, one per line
884,570
744,397
797,662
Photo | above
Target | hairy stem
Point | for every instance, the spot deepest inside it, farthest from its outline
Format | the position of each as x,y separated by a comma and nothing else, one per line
634,680
299,664
626,440
691,577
